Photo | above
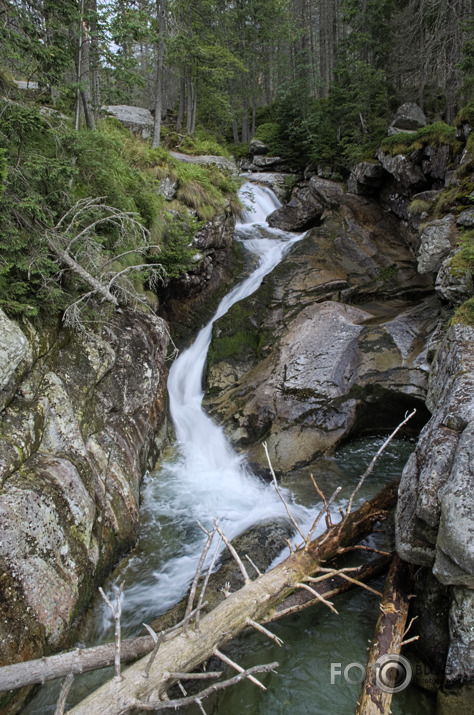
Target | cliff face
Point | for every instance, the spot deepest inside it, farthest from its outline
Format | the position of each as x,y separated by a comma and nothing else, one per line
80,418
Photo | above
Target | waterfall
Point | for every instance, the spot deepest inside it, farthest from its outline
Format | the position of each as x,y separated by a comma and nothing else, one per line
205,478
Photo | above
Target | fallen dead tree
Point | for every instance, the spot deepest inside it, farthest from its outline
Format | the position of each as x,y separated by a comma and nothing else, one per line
179,650
83,660
254,602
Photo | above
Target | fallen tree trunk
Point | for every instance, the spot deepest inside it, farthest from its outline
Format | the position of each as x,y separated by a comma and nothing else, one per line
83,660
255,601
386,670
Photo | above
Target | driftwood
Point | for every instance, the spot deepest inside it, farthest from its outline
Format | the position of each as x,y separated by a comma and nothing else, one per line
256,601
387,671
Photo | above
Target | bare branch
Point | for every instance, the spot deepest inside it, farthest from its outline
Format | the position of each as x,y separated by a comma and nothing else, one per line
65,688
371,466
210,675
342,574
317,595
259,573
265,631
326,510
237,667
206,580
116,612
292,519
234,553
183,702
197,575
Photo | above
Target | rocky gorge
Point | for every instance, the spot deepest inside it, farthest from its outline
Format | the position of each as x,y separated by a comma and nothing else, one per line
350,331
353,328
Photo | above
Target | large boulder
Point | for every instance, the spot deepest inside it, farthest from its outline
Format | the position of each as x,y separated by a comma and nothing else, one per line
257,147
138,119
454,285
409,117
466,218
16,356
437,240
303,211
327,192
365,178
408,175
207,160
305,370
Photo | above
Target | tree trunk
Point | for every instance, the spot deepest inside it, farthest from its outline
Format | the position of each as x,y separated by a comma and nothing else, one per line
161,12
387,641
189,100
85,76
182,100
256,600
194,111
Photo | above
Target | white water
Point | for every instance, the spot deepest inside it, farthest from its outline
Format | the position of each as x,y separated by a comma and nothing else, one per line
206,479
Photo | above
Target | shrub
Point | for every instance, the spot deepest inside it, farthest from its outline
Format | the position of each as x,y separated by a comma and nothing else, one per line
270,134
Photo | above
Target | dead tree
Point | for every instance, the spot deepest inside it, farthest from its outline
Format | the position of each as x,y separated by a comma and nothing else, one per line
255,601
387,671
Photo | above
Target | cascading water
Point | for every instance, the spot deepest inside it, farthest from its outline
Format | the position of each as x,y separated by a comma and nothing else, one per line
206,479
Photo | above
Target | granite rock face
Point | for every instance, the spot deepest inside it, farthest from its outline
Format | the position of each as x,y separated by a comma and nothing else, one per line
77,435
435,514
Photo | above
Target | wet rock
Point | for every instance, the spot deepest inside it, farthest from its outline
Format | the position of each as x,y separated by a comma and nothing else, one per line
304,370
262,543
409,116
303,211
437,240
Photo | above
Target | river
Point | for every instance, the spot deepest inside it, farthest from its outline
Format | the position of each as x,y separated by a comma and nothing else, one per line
204,478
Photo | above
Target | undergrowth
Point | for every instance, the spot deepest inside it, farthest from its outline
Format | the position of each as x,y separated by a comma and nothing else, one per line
46,167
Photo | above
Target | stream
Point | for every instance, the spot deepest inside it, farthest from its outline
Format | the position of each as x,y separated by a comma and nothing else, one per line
203,478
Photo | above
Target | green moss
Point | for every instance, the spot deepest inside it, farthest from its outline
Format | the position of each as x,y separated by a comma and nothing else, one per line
454,199
433,134
466,114
418,206
464,315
